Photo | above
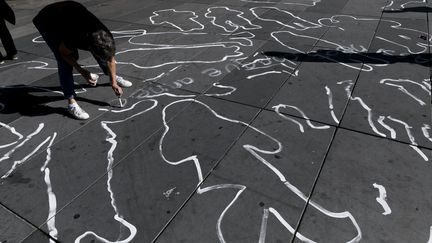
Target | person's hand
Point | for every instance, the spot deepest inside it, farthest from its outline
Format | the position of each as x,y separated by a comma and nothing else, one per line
88,76
117,89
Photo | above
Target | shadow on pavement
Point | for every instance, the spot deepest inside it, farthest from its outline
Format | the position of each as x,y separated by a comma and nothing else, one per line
338,56
29,100
413,9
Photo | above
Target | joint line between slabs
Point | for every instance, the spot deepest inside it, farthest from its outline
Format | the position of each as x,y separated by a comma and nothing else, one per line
331,141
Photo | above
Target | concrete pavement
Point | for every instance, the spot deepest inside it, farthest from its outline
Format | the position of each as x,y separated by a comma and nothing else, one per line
248,121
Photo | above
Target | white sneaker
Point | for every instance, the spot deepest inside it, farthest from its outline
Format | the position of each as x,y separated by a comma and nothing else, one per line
13,57
77,112
122,82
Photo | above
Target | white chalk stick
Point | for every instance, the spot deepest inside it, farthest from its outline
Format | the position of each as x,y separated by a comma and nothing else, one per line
94,77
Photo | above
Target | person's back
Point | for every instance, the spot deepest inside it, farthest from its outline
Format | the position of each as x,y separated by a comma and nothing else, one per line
71,21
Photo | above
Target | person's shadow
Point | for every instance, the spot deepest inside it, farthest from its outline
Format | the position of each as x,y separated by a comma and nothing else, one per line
27,100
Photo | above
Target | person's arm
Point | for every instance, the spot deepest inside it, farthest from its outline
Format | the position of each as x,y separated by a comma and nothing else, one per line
111,64
69,57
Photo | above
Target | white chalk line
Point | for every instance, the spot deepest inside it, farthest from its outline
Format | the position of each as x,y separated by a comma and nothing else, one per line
237,13
193,19
382,199
301,3
407,127
235,53
241,188
393,24
232,90
425,129
331,107
13,131
16,163
363,104
301,128
289,227
390,129
414,144
169,192
262,74
418,150
43,65
7,155
289,17
300,194
430,236
277,107
402,88
253,150
155,96
52,199
112,140
263,228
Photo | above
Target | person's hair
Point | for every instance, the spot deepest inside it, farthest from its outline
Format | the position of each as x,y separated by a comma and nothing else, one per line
102,44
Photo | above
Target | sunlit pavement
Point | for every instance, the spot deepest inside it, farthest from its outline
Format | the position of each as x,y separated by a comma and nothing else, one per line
248,121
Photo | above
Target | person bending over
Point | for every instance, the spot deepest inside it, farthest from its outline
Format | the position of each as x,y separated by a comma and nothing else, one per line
68,26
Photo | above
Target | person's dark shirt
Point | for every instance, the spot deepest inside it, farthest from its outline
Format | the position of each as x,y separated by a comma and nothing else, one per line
71,22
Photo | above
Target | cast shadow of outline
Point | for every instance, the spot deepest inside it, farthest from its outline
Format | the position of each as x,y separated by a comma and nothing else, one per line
412,9
367,58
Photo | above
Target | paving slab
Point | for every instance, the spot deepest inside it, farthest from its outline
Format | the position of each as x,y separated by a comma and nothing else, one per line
404,34
264,71
315,93
371,108
405,81
27,69
38,236
261,159
334,7
141,15
369,8
68,156
348,33
135,175
410,9
196,50
380,184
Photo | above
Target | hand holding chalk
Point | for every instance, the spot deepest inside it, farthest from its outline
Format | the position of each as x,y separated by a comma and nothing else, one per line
93,79
120,101
117,89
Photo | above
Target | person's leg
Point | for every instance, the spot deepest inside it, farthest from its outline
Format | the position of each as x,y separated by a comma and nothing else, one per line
7,40
64,69
66,77
67,82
